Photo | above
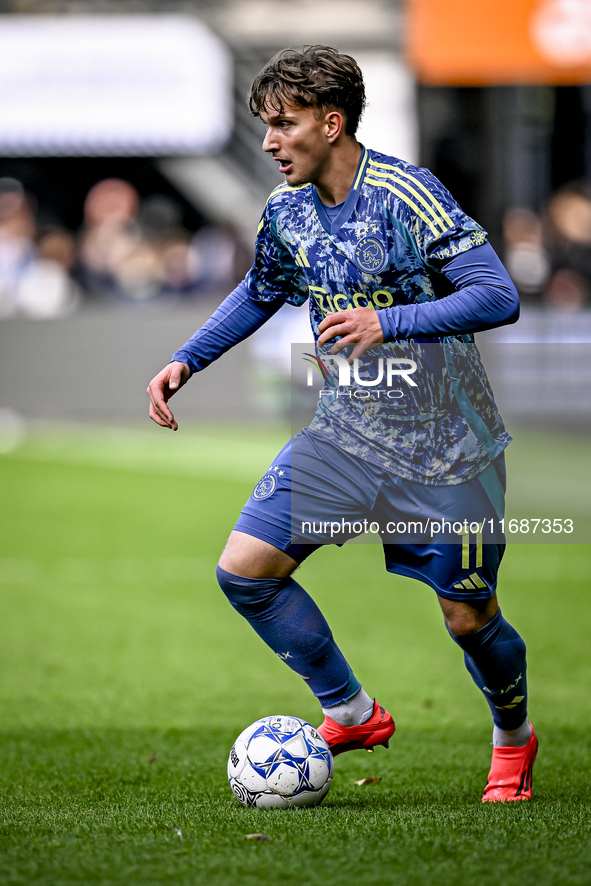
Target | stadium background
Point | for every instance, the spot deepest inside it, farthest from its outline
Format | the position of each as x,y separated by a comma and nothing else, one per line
125,678
117,272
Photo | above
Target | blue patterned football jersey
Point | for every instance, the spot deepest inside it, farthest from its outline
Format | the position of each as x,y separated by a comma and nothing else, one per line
395,231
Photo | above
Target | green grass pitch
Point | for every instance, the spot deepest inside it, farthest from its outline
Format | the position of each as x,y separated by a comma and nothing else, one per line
126,676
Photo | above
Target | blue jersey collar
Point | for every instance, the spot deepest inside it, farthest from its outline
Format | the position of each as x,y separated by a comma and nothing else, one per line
331,227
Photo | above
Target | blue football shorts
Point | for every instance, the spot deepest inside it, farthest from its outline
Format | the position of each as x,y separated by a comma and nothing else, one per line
315,494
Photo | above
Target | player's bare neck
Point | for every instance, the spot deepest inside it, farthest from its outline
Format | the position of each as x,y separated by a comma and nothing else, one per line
337,178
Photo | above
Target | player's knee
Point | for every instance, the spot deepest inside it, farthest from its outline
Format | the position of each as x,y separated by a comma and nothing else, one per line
236,588
463,619
462,625
249,595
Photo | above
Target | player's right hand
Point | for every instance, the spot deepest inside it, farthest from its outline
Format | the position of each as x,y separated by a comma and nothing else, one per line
161,389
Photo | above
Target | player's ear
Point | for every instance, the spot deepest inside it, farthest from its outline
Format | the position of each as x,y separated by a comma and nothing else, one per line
335,124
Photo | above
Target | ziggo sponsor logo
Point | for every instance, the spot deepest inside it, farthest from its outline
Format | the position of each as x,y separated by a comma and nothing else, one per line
329,304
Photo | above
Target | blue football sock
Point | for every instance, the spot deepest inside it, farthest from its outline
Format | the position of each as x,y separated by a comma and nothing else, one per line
495,659
288,620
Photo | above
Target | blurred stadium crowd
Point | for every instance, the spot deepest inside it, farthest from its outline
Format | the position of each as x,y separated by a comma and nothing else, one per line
549,254
127,250
135,251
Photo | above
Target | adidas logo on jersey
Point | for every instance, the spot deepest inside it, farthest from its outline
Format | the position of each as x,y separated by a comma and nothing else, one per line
470,584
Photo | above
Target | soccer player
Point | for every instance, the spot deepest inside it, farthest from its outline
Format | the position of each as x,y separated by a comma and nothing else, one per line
394,272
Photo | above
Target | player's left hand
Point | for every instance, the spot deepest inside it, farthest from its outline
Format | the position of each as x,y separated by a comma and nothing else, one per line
359,327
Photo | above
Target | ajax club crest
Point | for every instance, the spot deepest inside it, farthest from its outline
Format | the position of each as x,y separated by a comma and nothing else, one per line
370,256
265,487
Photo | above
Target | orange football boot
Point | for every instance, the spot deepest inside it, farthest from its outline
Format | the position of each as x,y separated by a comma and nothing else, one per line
510,776
377,730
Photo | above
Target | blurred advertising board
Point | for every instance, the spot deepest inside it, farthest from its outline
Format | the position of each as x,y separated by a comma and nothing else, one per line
106,85
459,42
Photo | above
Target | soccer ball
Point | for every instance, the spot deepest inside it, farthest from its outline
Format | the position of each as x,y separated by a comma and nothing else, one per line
280,762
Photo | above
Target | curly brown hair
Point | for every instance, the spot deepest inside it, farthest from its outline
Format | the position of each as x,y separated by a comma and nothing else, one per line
318,77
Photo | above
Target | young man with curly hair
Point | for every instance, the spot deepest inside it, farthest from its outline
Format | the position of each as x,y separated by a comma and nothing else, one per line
398,277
